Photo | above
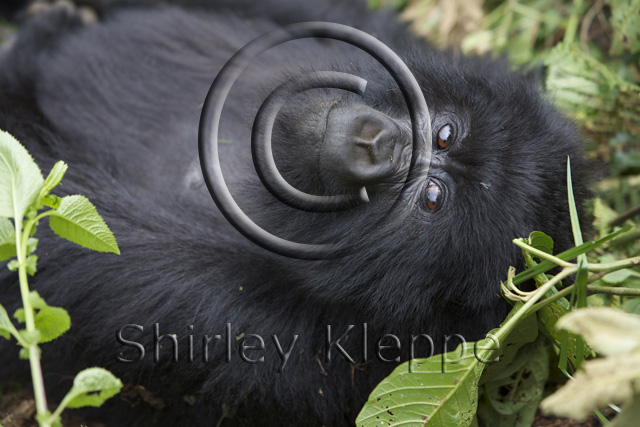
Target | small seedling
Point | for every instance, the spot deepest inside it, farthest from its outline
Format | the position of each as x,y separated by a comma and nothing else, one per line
25,197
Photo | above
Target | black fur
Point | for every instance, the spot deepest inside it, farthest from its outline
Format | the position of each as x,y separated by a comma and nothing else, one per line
120,100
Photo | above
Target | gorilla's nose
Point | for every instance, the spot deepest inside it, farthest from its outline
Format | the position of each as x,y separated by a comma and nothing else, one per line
361,146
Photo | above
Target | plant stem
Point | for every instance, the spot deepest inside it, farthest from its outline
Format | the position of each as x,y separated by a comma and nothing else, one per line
572,25
542,254
539,293
32,348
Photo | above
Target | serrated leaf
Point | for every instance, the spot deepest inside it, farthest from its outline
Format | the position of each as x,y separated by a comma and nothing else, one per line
91,387
439,391
52,322
7,239
77,220
20,177
54,178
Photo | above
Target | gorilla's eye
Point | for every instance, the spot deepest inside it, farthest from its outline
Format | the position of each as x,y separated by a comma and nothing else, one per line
434,195
444,136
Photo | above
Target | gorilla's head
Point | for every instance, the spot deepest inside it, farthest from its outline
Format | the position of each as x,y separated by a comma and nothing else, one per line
497,171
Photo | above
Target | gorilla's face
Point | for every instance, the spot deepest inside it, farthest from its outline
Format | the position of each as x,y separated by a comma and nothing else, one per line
495,172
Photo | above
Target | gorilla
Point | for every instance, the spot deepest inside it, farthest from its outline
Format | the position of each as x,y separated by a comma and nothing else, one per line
209,328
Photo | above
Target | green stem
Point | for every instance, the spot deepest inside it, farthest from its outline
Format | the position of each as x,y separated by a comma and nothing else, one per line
572,25
511,323
542,254
618,265
32,348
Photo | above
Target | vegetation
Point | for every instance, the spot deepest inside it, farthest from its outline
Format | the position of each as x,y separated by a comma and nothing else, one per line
24,193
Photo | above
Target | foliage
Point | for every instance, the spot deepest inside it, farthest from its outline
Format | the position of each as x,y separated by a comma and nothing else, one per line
501,379
23,194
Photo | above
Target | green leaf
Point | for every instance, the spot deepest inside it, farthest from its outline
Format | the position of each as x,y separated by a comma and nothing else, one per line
523,381
32,245
6,327
541,241
625,26
439,391
548,317
31,264
13,265
77,220
7,239
525,332
54,178
52,322
91,387
512,398
20,178
36,300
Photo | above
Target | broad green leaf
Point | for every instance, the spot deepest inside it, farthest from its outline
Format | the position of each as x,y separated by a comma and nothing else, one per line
439,391
541,241
77,220
512,398
7,239
609,331
54,178
20,177
91,387
52,322
521,383
6,327
619,276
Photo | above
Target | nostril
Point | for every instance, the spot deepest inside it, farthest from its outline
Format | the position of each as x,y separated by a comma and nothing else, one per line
368,130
